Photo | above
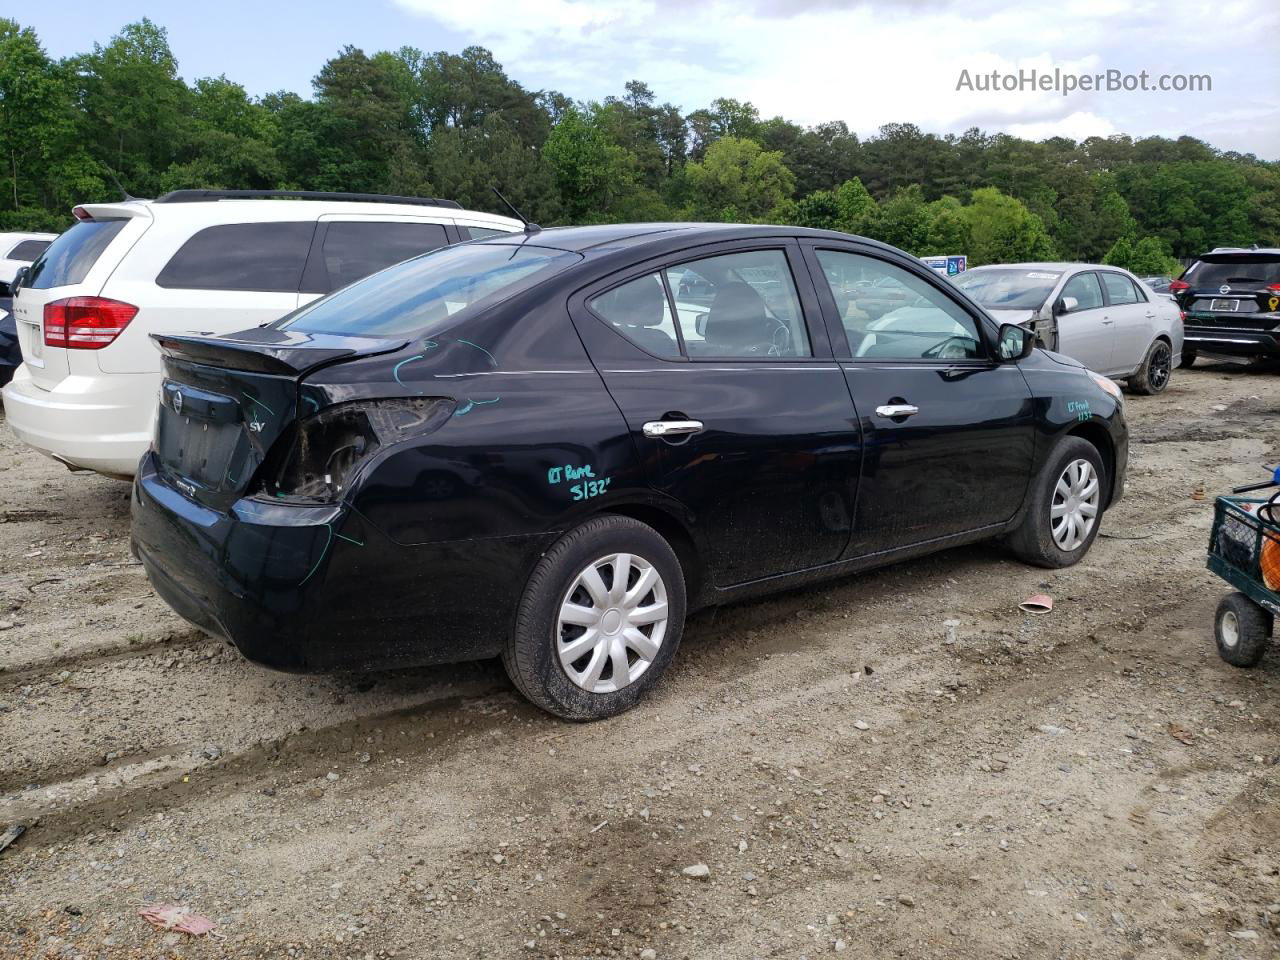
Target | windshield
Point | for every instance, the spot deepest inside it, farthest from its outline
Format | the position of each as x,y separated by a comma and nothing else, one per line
1259,271
414,296
1008,288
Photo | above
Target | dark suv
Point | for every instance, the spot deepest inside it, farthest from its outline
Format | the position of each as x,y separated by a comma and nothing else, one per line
1231,298
550,446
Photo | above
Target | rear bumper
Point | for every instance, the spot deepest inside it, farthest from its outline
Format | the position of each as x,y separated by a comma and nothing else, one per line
98,423
305,588
1231,342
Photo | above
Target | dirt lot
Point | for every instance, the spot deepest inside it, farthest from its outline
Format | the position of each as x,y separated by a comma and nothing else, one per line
856,775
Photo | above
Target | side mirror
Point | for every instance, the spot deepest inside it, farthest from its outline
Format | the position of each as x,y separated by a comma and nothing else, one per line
1066,305
700,324
19,279
1015,343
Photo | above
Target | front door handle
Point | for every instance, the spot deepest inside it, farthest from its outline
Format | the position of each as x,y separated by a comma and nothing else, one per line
894,410
671,428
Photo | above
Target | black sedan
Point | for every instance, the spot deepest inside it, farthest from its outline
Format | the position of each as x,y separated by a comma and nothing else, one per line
553,446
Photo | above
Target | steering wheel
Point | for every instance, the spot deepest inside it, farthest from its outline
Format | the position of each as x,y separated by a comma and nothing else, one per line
952,348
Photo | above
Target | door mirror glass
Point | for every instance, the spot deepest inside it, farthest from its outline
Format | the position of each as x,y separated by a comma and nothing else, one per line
1015,342
700,324
1067,304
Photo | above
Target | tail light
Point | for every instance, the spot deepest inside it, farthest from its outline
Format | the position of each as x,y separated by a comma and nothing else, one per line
1273,289
1177,286
85,323
318,459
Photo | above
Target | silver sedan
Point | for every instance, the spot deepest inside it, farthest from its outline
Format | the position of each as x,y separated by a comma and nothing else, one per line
1102,316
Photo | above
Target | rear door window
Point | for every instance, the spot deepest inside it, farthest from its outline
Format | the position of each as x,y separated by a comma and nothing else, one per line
739,305
1120,289
482,233
640,311
69,259
28,250
351,250
241,256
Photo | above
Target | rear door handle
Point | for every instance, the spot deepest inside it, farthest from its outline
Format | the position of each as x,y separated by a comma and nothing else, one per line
671,428
893,410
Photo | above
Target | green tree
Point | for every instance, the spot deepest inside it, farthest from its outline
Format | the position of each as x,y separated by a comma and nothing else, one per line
856,206
1003,230
1120,254
590,170
737,180
1151,259
902,220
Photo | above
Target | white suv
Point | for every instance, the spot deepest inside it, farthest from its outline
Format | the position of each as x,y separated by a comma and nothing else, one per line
213,261
17,250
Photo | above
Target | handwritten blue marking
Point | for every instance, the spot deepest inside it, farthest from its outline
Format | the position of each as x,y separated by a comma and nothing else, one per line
395,371
312,401
492,358
332,533
471,404
255,400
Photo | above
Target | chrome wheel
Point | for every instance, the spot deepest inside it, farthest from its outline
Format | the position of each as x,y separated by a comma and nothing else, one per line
1229,630
612,622
1074,510
1159,366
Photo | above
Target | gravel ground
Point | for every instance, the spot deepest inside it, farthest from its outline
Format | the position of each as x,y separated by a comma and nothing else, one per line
833,770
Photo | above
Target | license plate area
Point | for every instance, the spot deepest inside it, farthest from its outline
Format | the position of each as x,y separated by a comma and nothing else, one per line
32,343
1224,306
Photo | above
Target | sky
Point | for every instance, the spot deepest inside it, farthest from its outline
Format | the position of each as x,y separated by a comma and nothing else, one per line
866,62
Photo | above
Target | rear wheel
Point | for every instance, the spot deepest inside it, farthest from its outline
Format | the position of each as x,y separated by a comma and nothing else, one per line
1062,517
600,619
1242,630
1153,376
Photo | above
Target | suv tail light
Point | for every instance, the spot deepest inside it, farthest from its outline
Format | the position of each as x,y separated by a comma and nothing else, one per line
1177,286
85,323
1273,288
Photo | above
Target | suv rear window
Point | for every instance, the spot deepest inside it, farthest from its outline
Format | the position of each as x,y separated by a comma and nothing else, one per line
28,250
69,259
241,256
1247,271
419,295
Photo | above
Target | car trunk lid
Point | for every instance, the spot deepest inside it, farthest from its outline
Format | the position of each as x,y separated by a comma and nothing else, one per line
225,400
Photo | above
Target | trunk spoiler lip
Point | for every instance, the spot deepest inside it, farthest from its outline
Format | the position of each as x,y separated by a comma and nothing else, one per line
271,351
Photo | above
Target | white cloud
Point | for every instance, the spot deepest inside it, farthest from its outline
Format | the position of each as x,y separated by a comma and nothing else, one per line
870,63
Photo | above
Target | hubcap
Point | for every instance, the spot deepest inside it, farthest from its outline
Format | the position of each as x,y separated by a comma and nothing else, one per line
1161,361
1230,629
612,623
1075,505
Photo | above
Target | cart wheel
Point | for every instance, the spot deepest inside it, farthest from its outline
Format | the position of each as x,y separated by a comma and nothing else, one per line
1242,629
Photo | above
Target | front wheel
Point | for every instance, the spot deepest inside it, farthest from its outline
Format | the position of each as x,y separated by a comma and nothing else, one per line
1153,376
1242,630
1066,500
600,619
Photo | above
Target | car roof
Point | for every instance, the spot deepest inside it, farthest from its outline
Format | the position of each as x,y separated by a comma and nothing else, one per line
26,235
1060,266
267,208
1241,252
603,238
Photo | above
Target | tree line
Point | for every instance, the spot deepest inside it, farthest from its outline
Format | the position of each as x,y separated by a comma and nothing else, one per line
121,119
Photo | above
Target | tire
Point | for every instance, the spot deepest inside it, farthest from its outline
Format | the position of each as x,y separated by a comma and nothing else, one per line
1188,358
533,655
1154,374
1040,542
1242,630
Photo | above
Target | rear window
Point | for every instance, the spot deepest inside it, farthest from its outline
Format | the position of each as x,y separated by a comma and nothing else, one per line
28,250
419,294
69,259
264,257
1247,271
352,250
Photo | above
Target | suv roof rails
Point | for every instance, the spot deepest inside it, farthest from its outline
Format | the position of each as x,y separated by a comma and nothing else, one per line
197,196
